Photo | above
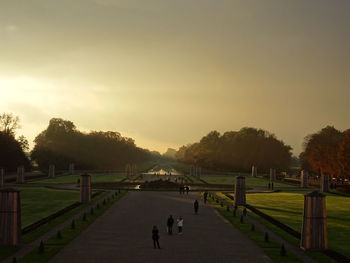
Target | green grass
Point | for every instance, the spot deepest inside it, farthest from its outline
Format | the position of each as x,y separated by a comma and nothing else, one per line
53,245
39,202
271,248
288,208
72,179
33,235
250,181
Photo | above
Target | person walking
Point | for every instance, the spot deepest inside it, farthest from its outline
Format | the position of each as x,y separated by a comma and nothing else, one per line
155,237
196,206
170,223
180,224
205,197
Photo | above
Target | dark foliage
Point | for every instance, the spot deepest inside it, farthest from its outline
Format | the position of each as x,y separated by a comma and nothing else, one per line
238,150
61,144
11,153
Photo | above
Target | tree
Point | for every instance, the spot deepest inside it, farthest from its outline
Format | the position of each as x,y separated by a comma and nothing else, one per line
237,150
9,123
62,143
321,151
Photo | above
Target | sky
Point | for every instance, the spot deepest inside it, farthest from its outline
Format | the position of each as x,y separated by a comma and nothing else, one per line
166,72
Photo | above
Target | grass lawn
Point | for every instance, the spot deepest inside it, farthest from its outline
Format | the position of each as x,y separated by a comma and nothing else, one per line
271,248
250,181
72,179
39,202
288,208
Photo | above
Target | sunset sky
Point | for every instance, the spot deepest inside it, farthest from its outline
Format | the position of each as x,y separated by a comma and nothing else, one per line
167,72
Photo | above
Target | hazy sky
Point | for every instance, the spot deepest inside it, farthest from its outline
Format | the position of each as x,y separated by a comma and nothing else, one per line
167,72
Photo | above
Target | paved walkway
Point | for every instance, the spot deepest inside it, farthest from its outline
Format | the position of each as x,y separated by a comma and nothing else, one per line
123,234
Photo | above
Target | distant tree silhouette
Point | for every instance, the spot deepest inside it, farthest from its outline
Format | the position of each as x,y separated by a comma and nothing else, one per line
11,149
61,143
237,150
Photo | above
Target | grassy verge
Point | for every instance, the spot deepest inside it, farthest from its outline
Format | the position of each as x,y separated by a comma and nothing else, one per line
72,179
271,248
53,245
33,235
319,256
39,202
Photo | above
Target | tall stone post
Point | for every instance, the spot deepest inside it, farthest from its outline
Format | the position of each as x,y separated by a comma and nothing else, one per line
254,171
240,191
51,171
324,182
2,177
304,179
71,169
10,217
20,175
314,229
272,175
85,188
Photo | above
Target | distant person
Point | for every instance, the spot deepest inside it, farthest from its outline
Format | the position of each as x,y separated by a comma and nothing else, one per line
196,206
169,224
180,224
269,185
187,189
205,197
272,186
155,237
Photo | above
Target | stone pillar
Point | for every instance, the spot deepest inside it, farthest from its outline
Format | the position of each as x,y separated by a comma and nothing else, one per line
71,168
314,229
51,171
20,175
304,182
10,217
2,177
240,191
254,171
324,182
85,188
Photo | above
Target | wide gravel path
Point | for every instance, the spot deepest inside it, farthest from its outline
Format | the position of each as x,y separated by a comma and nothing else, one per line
123,234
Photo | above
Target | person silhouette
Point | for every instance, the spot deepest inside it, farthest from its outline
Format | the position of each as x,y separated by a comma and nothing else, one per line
180,224
196,206
155,237
170,223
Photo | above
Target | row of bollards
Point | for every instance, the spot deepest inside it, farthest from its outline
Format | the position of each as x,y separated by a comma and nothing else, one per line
41,248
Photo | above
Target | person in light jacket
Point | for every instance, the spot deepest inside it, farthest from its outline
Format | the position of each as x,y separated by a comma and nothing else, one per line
180,224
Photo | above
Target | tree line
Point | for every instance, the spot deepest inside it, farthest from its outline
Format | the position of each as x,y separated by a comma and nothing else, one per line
238,151
327,151
61,143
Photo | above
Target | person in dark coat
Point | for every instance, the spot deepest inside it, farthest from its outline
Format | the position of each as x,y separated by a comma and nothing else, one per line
187,189
196,206
155,237
205,197
170,223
